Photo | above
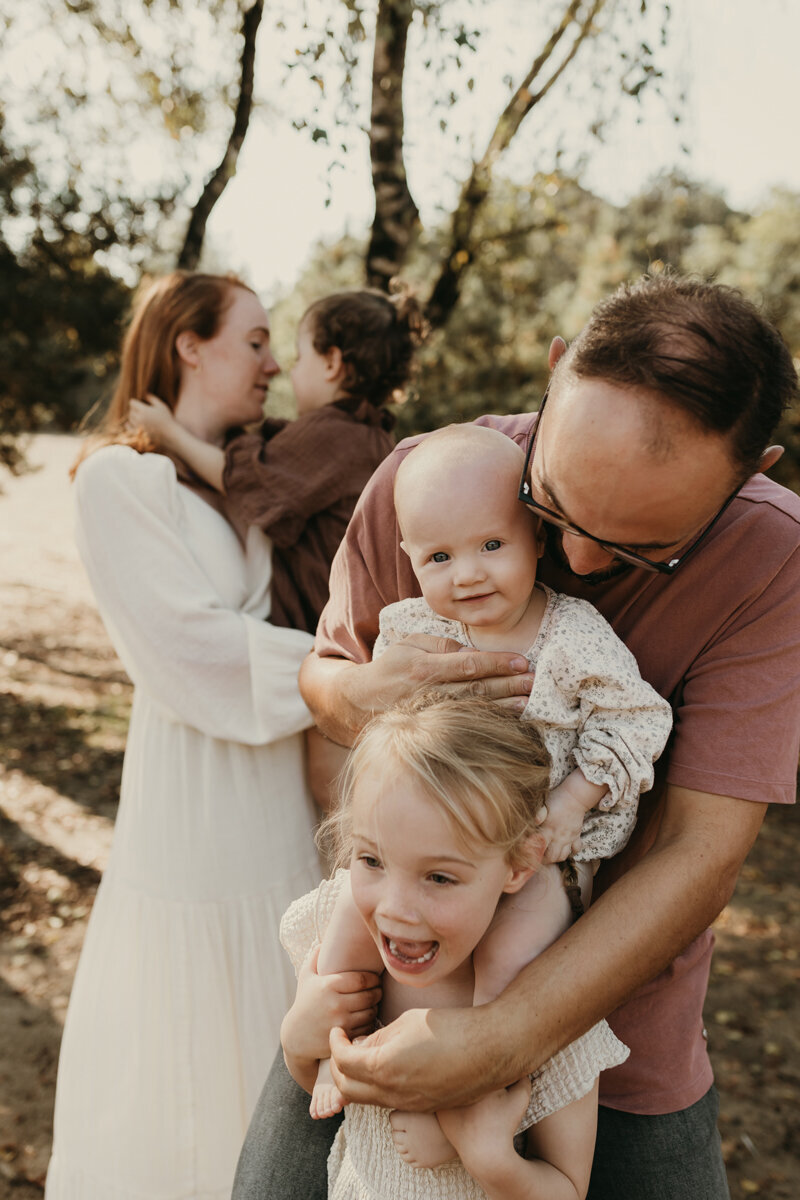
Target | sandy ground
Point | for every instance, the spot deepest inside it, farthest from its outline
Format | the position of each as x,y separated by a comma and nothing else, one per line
64,702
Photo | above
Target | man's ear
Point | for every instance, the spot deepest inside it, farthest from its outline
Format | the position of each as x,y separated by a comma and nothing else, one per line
770,457
334,364
557,347
186,344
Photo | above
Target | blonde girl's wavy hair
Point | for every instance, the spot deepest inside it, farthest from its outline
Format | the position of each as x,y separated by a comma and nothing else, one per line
162,309
486,770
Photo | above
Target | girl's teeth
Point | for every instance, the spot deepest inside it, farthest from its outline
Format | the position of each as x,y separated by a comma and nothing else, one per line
398,953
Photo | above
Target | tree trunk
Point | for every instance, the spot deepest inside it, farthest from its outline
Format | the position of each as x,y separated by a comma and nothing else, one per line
461,248
218,181
396,214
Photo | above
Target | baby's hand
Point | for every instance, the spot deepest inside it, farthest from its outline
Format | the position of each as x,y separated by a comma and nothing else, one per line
561,819
153,416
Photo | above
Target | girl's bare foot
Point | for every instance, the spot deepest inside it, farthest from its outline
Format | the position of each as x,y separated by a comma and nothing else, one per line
326,1099
419,1140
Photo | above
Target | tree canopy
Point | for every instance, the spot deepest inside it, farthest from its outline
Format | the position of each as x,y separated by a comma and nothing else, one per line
113,154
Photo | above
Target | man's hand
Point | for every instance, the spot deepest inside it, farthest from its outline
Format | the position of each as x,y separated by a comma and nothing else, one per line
426,1060
343,695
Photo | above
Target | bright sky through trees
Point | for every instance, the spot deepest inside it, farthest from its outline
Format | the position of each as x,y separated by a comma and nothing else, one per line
734,59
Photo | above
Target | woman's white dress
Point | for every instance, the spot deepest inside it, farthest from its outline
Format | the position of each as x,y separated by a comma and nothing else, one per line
175,1011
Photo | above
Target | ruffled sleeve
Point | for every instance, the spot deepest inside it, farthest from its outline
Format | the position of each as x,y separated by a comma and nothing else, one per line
203,663
306,919
570,1073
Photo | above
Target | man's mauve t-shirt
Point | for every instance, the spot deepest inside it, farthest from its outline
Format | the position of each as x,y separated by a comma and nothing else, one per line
720,640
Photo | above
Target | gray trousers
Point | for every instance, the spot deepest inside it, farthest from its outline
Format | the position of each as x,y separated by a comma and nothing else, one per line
672,1157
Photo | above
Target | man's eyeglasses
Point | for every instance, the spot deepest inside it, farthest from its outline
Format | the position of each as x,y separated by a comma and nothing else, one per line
621,552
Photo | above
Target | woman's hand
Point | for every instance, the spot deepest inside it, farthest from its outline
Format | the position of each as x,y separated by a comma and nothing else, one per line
343,695
348,999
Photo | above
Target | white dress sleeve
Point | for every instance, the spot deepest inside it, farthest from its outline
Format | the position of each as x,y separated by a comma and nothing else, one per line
622,724
206,665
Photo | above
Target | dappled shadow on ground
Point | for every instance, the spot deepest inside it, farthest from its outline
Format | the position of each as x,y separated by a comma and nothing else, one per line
64,747
752,1013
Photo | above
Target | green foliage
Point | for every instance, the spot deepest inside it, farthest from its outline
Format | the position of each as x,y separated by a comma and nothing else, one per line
97,150
547,253
59,311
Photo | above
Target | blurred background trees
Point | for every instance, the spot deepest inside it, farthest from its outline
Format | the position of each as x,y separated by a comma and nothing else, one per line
114,150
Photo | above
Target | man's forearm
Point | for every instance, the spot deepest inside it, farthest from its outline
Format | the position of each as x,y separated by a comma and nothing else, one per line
629,936
325,687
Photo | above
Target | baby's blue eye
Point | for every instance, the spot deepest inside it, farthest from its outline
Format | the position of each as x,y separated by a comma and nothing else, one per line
440,556
493,544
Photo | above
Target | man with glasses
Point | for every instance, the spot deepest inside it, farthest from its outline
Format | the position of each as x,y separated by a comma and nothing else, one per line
644,462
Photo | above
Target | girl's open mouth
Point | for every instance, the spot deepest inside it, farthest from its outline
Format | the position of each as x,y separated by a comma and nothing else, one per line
409,956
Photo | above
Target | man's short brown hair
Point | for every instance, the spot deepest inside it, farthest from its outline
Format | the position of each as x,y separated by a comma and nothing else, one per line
703,346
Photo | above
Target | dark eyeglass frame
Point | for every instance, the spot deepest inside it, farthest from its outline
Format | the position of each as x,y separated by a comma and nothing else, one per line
622,552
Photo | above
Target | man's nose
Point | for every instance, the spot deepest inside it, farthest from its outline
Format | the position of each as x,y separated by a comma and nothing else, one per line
271,366
584,555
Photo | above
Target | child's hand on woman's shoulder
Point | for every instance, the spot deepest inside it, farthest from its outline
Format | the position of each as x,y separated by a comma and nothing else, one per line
154,417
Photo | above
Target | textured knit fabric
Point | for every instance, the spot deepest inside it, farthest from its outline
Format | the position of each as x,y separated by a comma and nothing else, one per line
182,983
363,1163
299,481
595,710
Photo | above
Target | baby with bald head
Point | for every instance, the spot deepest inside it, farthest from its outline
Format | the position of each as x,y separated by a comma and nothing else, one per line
473,546
475,549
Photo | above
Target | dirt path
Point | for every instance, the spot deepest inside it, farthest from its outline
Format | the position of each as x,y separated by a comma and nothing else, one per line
64,702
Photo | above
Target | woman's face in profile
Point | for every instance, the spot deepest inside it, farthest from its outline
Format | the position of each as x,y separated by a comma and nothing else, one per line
236,365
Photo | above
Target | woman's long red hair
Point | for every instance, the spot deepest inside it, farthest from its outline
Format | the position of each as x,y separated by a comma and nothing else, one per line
179,302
